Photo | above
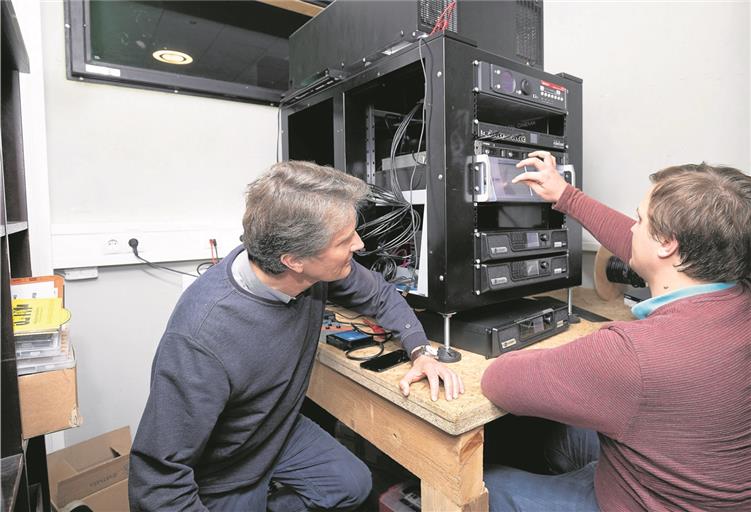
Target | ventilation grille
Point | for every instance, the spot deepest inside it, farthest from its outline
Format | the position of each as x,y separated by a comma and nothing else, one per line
529,30
430,10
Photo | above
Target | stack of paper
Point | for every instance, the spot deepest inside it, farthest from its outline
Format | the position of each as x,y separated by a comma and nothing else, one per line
40,325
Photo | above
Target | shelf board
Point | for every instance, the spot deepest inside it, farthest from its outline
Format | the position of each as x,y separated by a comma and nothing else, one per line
13,227
297,6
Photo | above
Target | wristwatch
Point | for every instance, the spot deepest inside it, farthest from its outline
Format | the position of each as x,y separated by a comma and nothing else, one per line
423,350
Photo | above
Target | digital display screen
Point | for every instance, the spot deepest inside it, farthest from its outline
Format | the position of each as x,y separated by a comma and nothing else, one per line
533,240
501,176
531,327
533,267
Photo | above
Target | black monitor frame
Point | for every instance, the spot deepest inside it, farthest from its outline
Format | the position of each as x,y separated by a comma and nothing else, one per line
81,66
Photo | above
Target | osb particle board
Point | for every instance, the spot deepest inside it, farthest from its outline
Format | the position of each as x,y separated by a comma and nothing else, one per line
471,409
455,417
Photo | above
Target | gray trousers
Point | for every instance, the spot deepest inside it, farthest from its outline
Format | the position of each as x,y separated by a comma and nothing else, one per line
317,472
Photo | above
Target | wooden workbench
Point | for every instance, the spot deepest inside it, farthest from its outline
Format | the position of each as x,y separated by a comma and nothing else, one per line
439,442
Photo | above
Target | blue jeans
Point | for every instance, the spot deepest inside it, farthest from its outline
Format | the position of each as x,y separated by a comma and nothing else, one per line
571,455
317,473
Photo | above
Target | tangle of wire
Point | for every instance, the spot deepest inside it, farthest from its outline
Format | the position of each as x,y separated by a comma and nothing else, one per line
401,130
390,249
444,19
382,228
378,334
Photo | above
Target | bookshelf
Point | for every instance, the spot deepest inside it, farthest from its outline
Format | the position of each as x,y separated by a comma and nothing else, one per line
24,467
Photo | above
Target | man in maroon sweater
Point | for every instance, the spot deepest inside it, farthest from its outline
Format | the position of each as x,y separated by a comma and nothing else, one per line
668,394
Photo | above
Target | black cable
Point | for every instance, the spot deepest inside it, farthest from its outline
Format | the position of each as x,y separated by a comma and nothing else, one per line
404,207
386,266
154,265
388,229
381,226
395,143
207,264
349,355
133,243
337,313
386,335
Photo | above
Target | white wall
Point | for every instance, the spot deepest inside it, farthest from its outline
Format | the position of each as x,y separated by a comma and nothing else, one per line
664,83
129,162
136,157
117,321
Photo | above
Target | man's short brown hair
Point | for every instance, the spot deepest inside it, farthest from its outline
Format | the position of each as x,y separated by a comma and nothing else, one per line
707,210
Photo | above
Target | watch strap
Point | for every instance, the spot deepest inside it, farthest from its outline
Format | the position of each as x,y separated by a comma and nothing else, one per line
423,350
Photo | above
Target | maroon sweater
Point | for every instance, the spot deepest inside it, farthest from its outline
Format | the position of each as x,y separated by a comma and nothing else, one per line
670,395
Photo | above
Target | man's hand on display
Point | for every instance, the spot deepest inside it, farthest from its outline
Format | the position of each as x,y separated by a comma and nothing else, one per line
425,366
545,181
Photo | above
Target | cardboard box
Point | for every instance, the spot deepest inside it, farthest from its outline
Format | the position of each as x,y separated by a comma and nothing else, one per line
110,499
49,402
90,467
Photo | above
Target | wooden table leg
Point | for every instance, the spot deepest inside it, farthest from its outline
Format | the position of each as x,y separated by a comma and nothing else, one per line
449,467
434,500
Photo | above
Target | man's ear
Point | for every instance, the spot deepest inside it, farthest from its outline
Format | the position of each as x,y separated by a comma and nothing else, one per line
668,248
294,263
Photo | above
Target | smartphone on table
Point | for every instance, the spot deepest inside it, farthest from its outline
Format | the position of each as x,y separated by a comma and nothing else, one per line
385,361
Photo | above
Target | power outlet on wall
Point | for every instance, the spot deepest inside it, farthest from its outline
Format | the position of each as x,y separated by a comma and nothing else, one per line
115,245
91,245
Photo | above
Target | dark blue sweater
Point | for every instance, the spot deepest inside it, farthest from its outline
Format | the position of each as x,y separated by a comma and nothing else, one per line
229,378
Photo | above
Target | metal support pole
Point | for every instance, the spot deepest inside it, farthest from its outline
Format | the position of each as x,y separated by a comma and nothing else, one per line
446,354
572,318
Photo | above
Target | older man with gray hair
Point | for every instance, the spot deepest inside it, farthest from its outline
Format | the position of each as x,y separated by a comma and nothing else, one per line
232,368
